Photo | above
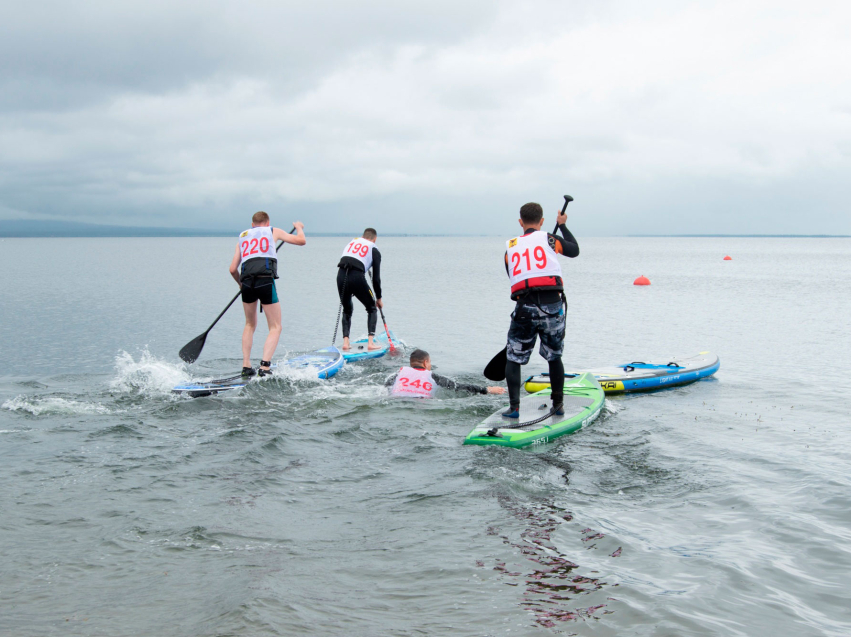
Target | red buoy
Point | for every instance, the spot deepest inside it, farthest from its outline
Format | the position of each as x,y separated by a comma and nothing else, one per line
728,258
642,280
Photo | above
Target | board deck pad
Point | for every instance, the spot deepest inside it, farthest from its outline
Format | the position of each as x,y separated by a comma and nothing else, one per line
583,400
212,387
642,375
359,350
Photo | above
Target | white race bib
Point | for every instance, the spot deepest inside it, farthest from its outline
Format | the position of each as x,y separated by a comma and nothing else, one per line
531,261
257,242
360,249
418,383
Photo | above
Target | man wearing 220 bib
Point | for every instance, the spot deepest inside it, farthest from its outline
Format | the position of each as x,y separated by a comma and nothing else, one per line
537,286
255,267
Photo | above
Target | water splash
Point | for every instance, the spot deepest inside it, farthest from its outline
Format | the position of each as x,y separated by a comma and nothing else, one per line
149,375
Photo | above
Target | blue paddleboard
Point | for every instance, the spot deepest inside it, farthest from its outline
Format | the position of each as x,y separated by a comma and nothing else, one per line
641,375
360,352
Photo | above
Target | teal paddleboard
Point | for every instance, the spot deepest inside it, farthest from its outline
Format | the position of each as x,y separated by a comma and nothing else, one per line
359,351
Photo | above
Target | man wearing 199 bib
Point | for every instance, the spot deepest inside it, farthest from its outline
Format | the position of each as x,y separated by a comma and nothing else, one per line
255,267
358,257
536,285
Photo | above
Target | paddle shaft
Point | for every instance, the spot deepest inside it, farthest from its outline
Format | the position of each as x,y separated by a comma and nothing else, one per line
383,320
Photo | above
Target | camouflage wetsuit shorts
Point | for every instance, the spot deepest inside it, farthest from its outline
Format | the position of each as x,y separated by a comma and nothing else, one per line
527,321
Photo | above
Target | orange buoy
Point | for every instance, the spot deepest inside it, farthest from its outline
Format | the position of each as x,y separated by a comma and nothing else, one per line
642,280
728,258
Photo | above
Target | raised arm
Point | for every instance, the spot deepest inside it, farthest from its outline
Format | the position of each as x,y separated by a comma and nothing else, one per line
297,239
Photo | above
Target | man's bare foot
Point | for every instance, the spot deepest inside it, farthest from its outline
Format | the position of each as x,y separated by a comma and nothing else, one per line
374,346
346,345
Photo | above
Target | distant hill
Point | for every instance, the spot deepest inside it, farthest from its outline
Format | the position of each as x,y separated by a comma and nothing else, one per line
42,228
50,228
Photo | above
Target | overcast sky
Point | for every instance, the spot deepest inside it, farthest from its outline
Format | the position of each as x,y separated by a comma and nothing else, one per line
661,117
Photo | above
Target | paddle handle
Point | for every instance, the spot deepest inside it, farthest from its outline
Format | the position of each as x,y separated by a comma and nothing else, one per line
567,200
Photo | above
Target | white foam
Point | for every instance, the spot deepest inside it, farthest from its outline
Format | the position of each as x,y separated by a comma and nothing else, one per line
148,375
53,405
611,407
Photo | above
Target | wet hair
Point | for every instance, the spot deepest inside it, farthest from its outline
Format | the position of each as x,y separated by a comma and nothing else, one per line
419,357
370,234
531,213
260,217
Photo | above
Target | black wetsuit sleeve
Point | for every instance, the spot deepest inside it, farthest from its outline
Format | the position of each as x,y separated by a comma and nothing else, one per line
448,383
376,272
389,382
568,244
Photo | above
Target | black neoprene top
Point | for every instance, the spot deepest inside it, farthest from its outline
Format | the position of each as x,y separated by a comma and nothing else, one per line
354,264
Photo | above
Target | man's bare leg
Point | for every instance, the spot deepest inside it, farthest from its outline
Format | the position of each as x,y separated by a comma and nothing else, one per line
370,345
250,310
346,344
273,318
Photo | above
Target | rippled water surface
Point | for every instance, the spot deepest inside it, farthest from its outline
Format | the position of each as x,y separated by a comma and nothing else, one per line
307,507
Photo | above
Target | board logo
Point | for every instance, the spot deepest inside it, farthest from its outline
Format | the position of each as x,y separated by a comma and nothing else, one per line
512,243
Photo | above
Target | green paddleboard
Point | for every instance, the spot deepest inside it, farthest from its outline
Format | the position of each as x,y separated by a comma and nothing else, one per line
583,400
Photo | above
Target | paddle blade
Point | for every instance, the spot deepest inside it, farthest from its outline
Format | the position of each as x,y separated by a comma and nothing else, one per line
495,370
192,350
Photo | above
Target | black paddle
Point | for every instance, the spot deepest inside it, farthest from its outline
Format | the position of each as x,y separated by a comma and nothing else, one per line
495,370
192,350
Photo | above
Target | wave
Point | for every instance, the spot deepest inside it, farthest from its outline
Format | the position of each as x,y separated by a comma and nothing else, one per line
53,405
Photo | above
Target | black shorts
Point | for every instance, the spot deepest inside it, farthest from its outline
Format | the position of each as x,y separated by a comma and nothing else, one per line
264,292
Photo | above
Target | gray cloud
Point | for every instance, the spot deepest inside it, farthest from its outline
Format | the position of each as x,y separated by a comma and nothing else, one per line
426,117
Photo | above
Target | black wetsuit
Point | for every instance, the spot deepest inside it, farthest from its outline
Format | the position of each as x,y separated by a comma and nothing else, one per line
351,281
539,312
448,383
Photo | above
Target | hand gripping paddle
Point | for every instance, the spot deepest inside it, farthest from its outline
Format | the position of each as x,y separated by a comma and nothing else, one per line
495,370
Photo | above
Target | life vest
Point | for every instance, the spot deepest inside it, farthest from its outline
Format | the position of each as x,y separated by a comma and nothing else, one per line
532,264
360,249
417,383
257,254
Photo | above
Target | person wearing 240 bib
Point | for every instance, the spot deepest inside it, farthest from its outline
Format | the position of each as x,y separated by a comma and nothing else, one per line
255,267
418,381
537,286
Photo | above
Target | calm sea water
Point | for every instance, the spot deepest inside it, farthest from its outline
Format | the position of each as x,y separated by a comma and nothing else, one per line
303,507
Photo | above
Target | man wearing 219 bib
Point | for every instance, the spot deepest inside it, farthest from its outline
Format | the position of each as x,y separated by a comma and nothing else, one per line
536,284
358,257
255,268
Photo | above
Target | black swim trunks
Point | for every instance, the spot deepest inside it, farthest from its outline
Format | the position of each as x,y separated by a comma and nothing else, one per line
264,291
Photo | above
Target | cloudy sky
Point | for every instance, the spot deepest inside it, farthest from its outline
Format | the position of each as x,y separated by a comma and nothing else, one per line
429,117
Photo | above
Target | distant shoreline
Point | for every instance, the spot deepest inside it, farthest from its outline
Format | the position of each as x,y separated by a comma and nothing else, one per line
23,229
741,236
